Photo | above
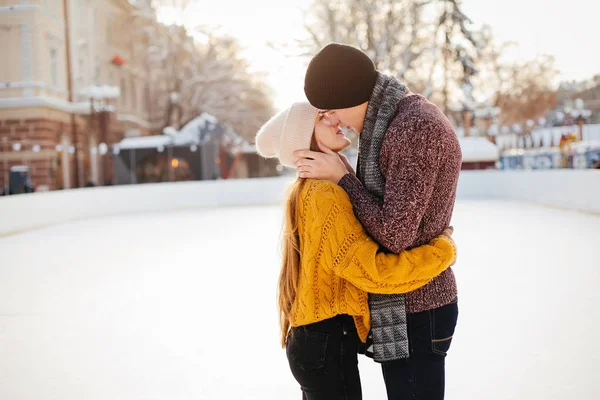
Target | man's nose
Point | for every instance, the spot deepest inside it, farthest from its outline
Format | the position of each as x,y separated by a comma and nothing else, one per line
332,120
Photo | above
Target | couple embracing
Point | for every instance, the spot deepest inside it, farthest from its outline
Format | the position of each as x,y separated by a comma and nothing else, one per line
367,255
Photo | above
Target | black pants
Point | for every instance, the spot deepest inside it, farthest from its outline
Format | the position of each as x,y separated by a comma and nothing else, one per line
422,376
323,359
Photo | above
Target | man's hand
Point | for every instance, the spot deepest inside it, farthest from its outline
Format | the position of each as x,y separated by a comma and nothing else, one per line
327,165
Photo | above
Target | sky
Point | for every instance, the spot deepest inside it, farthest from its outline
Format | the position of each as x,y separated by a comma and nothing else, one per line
566,29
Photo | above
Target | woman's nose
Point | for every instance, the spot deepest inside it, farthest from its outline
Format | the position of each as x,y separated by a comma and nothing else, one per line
331,120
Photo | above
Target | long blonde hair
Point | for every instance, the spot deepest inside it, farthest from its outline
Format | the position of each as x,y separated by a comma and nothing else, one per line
290,265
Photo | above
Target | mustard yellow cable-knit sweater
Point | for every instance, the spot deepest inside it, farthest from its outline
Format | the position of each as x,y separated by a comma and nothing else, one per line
340,264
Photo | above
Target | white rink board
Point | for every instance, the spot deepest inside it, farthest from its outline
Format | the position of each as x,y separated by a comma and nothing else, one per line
570,189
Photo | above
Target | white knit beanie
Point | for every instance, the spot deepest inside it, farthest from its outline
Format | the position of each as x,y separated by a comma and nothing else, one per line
288,131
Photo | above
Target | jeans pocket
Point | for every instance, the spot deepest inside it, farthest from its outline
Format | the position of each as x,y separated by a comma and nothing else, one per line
306,350
443,323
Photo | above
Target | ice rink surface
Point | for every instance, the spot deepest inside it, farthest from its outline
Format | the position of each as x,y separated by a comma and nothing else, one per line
181,305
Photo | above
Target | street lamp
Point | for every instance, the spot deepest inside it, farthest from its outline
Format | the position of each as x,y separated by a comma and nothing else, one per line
17,147
530,124
580,114
488,113
102,149
5,151
99,96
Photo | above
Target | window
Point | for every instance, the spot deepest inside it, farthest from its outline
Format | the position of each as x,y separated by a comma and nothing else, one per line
109,28
81,71
133,94
123,89
53,67
52,7
97,72
146,98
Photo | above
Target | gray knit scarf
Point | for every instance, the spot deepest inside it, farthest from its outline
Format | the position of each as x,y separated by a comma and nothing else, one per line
388,339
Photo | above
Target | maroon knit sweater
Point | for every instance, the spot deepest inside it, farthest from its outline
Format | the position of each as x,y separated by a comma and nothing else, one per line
420,159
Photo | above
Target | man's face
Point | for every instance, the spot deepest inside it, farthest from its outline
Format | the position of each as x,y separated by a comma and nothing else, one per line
352,117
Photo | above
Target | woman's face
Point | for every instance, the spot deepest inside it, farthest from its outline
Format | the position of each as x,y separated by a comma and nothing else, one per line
331,136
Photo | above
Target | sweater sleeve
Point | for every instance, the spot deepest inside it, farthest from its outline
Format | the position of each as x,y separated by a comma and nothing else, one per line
356,257
410,174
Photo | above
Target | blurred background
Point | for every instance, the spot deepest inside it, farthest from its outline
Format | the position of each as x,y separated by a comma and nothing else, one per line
138,261
121,92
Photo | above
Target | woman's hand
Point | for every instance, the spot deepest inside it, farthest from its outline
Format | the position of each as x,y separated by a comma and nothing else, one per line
449,231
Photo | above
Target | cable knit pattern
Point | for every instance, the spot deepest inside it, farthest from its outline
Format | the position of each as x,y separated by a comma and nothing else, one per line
340,263
420,159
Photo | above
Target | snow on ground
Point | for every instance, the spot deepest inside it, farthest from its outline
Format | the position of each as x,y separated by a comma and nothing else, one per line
181,305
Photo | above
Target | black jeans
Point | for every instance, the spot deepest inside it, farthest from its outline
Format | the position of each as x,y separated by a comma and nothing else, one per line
323,359
422,376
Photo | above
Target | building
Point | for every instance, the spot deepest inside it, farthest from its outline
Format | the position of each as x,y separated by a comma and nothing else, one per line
478,153
57,54
188,154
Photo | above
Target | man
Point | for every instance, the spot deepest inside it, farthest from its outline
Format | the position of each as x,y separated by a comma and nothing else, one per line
404,192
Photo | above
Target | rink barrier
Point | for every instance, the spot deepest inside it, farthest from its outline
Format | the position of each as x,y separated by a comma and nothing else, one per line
20,213
567,189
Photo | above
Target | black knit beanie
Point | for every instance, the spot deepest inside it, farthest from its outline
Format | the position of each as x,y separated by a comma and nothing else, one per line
339,76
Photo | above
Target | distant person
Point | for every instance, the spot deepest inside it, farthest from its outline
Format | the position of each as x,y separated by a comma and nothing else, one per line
596,164
330,263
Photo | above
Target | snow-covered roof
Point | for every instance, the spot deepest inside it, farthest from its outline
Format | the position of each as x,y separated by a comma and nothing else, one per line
460,131
248,148
582,147
193,133
197,130
486,112
145,142
476,149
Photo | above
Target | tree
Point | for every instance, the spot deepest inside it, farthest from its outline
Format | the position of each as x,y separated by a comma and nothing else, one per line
391,32
198,71
522,90
458,44
413,40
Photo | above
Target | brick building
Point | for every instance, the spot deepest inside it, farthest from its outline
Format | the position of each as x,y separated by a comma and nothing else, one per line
53,53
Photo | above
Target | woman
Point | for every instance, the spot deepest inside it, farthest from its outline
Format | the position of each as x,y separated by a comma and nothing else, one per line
330,264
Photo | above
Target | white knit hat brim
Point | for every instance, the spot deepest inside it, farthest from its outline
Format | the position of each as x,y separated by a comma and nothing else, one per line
297,132
269,135
288,131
